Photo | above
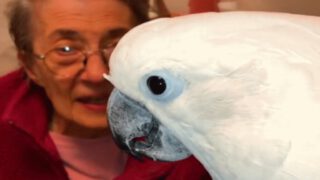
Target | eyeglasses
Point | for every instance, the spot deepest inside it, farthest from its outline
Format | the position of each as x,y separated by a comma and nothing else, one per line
67,61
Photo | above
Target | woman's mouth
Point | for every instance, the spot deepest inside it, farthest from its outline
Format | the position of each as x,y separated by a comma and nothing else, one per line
94,103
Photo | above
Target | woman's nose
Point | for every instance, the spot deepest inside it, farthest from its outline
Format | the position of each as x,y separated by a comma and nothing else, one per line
96,65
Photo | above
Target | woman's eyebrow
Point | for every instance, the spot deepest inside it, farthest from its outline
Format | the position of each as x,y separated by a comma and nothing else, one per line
66,34
115,33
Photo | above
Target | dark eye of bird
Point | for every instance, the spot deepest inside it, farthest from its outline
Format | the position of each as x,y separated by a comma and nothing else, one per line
156,84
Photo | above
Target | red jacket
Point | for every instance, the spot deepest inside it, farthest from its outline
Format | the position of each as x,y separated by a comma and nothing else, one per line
28,152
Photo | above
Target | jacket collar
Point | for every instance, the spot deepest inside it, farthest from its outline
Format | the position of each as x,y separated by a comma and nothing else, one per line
28,106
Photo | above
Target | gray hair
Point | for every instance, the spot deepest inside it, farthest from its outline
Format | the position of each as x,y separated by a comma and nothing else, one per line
19,14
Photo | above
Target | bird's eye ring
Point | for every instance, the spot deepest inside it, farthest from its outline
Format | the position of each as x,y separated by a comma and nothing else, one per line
161,85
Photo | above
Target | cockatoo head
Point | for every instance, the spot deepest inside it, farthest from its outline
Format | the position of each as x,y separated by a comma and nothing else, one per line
197,83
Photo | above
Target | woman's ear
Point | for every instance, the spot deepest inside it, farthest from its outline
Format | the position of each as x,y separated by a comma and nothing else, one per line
29,67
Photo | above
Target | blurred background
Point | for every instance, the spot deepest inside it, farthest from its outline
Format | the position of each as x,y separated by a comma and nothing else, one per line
310,7
7,56
175,8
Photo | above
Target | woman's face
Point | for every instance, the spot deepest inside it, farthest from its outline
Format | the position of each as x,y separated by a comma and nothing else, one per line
79,99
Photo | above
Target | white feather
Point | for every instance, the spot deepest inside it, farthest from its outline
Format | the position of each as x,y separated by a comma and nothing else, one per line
250,108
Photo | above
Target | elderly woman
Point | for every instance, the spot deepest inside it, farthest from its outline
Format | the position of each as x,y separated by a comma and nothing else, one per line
53,110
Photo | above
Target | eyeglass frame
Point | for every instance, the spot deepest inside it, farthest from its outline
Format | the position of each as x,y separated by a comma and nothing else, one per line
104,54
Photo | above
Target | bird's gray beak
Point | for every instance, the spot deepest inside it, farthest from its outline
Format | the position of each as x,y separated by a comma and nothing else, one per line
137,131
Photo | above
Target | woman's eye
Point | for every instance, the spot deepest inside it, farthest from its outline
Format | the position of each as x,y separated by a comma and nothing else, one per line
110,46
66,50
110,43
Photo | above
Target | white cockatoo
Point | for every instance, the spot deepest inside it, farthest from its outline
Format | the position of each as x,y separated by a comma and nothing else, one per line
238,90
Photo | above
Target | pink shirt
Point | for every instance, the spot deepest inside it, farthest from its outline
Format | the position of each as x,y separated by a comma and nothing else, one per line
90,159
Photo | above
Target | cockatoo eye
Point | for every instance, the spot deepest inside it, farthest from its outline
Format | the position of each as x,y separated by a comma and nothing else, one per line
156,84
161,85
